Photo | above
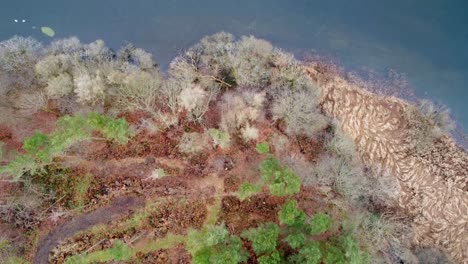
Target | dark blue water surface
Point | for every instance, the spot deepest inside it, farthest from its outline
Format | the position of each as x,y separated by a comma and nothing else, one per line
427,40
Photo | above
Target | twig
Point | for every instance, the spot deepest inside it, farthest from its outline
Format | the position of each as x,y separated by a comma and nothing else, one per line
45,211
95,245
136,238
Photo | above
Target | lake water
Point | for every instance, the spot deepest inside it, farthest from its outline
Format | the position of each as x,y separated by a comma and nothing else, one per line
427,40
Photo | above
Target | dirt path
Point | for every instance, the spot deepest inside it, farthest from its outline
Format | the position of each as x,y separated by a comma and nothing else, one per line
119,207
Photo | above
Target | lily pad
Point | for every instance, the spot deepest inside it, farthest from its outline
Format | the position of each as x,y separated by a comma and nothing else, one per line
48,31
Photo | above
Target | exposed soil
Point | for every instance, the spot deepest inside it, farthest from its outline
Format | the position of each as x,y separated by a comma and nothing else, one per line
120,207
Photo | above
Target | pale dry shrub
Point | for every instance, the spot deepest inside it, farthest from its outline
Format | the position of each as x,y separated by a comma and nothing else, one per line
139,90
249,133
65,46
18,56
53,65
428,122
197,100
29,102
193,97
170,92
290,73
239,110
89,89
280,142
137,57
184,72
339,143
192,143
97,51
157,174
251,59
150,126
211,54
220,138
386,237
299,109
59,86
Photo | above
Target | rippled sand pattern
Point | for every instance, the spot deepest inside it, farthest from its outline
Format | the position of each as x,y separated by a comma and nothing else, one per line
434,183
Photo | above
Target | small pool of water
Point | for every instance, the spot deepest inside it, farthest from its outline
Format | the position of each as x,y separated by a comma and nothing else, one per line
427,40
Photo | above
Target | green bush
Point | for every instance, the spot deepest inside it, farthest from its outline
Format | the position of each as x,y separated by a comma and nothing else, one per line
214,244
272,258
281,181
263,148
309,254
320,223
248,189
268,167
264,238
41,149
285,183
296,240
290,215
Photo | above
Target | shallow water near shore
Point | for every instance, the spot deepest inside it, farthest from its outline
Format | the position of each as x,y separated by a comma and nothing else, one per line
427,41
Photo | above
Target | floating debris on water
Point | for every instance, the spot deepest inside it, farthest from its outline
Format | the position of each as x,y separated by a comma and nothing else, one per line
48,31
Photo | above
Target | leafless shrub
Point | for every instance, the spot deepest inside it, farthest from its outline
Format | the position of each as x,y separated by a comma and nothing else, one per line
135,56
18,56
192,143
249,133
89,88
428,122
387,238
239,110
59,86
431,256
195,100
251,59
29,102
20,216
139,90
211,54
70,45
300,112
340,143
